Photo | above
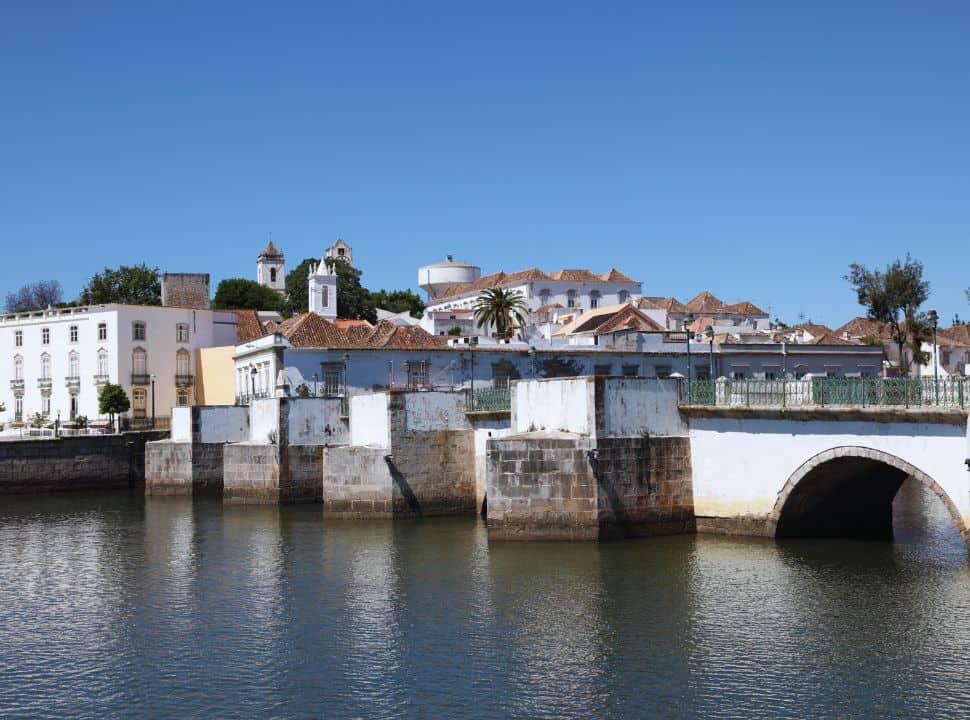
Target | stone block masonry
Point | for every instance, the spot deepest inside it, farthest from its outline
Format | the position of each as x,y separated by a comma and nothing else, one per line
259,474
95,462
183,468
561,486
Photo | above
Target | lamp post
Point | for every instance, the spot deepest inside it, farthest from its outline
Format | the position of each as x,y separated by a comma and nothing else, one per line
315,384
252,377
153,402
934,321
407,374
346,359
688,319
532,360
709,334
57,425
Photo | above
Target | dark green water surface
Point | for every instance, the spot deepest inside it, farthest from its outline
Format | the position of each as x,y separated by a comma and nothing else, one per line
114,606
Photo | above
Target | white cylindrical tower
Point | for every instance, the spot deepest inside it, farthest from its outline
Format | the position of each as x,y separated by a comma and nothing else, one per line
436,278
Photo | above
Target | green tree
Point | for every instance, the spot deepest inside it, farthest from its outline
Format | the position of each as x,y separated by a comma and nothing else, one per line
297,289
894,297
127,285
501,308
242,294
353,299
112,401
397,301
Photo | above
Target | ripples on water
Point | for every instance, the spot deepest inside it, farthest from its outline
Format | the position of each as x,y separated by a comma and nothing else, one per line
114,606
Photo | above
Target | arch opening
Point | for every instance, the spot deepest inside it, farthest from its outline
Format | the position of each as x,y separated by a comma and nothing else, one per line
848,492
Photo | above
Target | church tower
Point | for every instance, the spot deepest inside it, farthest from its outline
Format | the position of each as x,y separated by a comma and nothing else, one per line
341,251
323,291
270,269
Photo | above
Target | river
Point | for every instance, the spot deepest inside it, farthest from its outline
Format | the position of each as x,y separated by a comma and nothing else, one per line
114,606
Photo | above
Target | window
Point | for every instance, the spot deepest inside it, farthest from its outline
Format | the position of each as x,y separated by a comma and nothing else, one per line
182,398
332,379
571,298
102,331
74,365
417,375
544,296
594,298
182,363
662,371
45,336
946,357
45,367
18,338
18,368
45,405
139,402
73,406
72,333
702,372
325,296
139,362
138,331
272,275
182,333
738,375
604,369
103,363
630,370
623,296
18,408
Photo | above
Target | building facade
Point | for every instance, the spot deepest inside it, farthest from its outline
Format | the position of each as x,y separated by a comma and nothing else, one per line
55,362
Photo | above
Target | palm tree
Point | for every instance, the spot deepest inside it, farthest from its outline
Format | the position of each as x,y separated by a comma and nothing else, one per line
501,308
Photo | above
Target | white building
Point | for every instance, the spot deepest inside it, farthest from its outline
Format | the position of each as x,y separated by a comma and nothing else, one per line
322,281
271,268
342,251
55,362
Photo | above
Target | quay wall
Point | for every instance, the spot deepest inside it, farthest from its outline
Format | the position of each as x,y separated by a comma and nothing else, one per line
90,462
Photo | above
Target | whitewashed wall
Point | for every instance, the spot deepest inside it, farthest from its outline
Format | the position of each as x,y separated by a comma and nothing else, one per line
369,420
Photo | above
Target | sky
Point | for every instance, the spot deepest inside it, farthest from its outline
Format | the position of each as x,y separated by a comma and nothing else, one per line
751,149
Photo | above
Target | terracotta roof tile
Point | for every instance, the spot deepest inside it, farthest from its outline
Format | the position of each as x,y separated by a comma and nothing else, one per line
813,329
312,330
628,318
345,324
248,326
501,279
959,333
671,305
743,308
705,304
864,327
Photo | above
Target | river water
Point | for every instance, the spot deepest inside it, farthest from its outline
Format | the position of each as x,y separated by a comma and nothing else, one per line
114,606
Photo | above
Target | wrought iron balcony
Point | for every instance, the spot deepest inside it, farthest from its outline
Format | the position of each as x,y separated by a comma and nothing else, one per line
101,379
45,384
72,382
184,380
494,399
139,379
17,384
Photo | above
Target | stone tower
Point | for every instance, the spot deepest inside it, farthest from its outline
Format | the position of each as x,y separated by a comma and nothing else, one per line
340,250
323,290
271,269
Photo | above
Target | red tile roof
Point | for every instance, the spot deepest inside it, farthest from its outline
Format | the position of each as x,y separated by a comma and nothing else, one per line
344,324
861,327
248,326
310,330
705,304
501,279
743,308
957,333
813,329
628,318
671,305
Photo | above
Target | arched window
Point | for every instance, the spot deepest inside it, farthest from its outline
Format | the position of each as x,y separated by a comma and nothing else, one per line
272,274
594,298
18,368
45,366
139,362
182,366
74,365
102,363
623,295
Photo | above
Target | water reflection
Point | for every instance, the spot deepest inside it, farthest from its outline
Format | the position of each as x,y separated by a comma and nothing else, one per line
113,606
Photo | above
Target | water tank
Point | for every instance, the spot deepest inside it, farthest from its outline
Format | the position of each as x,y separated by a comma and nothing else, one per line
435,279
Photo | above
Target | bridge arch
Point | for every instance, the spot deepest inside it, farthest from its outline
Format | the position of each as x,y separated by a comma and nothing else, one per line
848,492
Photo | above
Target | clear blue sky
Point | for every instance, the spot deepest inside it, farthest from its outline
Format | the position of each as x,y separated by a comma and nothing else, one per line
752,149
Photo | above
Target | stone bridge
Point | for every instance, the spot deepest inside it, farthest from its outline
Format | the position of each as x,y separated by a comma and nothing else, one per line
647,464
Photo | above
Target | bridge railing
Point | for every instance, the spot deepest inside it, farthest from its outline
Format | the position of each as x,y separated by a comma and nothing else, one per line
821,392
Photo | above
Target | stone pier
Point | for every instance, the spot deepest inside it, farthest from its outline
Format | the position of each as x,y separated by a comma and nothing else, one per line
412,454
590,459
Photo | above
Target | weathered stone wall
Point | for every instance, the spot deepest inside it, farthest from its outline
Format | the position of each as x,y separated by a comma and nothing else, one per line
183,468
251,474
185,290
357,483
73,463
558,486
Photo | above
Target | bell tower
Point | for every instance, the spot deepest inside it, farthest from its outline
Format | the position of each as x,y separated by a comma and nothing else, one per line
271,269
323,290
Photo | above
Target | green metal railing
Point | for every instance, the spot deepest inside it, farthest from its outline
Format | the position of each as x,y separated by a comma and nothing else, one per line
821,392
489,400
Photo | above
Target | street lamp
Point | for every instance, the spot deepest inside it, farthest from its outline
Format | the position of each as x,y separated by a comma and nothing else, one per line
532,360
934,321
153,402
688,319
57,425
252,377
314,384
346,359
709,334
